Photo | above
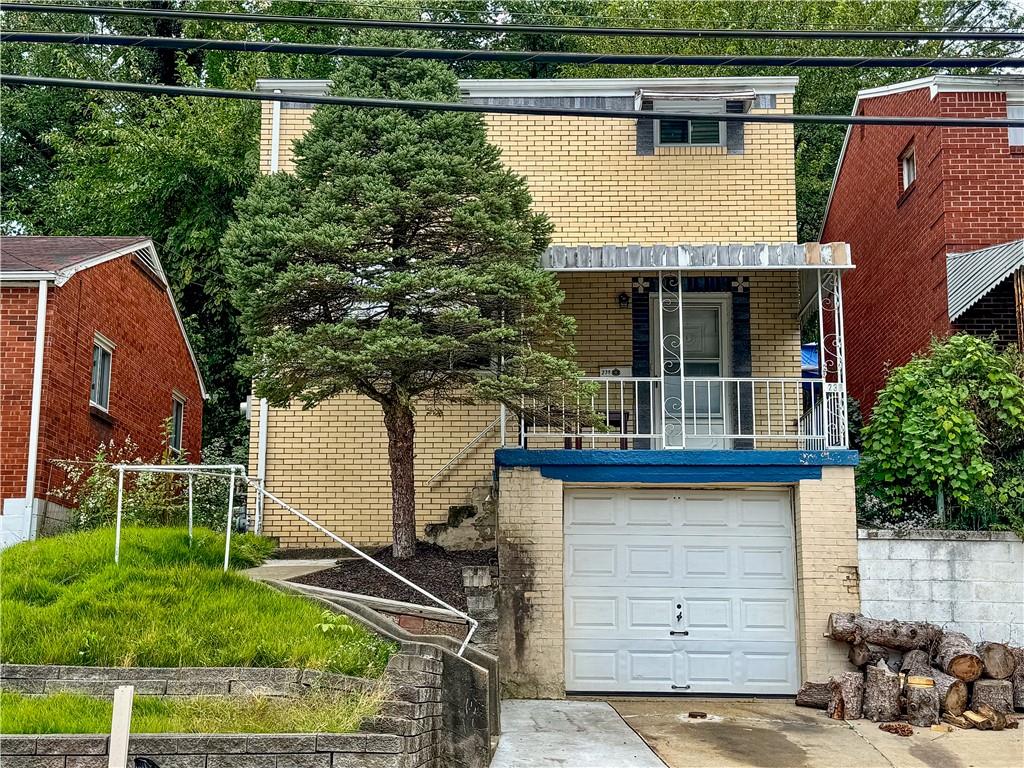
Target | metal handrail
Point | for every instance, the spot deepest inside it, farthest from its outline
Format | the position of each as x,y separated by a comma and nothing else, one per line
465,449
238,471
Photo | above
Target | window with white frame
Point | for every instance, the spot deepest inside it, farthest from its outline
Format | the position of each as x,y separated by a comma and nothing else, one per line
689,133
1015,111
908,164
177,422
102,354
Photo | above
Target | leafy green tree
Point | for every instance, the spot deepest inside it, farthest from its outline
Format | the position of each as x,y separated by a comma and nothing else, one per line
950,422
401,262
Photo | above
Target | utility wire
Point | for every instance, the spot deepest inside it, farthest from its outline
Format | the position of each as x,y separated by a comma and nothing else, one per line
443,106
546,57
526,29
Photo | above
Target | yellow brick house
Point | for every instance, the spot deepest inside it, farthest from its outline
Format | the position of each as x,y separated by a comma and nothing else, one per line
698,542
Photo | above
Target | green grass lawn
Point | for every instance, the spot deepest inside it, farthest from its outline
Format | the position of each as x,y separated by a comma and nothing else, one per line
168,604
74,713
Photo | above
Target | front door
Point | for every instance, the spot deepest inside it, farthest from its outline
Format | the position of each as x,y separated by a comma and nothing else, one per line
693,409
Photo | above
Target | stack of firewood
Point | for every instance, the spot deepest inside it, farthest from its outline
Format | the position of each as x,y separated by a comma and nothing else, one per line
917,672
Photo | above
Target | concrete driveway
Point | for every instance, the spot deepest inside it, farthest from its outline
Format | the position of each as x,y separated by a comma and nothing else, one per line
773,733
569,734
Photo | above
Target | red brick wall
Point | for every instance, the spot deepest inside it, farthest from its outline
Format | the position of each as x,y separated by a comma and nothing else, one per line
17,348
150,361
969,193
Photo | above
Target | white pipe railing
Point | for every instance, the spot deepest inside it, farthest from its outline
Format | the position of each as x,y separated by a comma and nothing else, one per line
237,472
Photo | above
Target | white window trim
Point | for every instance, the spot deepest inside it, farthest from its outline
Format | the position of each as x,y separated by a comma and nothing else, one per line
177,398
1015,136
908,167
99,340
697,107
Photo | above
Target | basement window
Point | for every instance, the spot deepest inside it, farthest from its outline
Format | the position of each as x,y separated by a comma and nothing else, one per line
99,390
689,133
908,167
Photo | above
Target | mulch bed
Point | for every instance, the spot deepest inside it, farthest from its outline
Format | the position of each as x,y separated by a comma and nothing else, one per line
435,569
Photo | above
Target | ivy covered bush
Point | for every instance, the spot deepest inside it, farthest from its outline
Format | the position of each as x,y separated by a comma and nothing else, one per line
945,442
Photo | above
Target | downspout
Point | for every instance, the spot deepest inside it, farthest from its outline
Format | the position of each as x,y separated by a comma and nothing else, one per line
261,461
37,403
275,135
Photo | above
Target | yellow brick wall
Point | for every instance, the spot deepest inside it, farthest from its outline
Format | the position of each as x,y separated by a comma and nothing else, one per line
585,174
826,560
530,548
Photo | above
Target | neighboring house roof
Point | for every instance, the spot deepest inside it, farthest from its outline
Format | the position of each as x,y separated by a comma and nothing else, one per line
568,258
971,276
1011,85
57,259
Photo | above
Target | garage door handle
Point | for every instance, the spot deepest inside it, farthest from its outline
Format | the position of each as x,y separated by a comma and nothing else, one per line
680,687
678,632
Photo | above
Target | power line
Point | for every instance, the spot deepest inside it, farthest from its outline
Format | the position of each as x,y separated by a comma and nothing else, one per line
546,57
526,29
441,106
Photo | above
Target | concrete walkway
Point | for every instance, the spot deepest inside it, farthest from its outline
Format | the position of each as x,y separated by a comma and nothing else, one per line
285,569
568,734
773,733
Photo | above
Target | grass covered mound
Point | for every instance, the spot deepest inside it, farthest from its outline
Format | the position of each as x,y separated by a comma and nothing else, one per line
168,604
75,713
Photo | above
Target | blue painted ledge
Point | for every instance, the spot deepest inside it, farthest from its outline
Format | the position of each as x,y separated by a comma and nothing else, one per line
676,466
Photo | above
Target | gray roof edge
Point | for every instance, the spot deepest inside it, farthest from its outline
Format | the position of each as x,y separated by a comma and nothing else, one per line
972,275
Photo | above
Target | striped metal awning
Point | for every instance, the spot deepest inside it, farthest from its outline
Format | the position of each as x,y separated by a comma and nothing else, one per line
972,275
632,257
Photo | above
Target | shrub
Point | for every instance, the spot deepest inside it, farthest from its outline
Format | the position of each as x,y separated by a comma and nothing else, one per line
948,423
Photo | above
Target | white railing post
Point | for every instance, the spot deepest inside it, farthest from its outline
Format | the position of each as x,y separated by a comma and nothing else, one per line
190,507
120,506
231,514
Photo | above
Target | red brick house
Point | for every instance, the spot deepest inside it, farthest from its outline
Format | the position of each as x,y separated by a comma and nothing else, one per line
93,350
907,199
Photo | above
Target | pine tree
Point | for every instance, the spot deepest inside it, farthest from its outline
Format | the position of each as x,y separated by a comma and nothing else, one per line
401,261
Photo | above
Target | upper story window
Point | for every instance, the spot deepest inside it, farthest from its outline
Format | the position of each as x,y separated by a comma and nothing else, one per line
908,166
689,133
177,422
1016,112
99,390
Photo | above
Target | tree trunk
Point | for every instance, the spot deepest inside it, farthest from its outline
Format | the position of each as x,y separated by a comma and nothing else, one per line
862,654
952,692
922,702
1018,678
998,660
955,656
401,456
902,635
916,662
846,700
997,694
882,694
813,695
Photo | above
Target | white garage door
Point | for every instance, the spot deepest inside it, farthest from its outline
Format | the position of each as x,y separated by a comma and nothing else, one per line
680,590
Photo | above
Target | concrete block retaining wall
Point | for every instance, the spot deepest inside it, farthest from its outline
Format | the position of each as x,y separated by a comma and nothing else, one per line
406,734
969,581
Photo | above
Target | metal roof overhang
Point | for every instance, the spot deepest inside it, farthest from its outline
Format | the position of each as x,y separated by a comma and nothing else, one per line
708,257
972,275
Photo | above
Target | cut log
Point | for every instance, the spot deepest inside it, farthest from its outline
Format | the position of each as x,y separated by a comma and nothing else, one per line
1018,678
957,720
863,654
952,692
980,722
922,702
997,694
813,695
846,700
916,662
902,635
997,659
881,694
994,716
955,656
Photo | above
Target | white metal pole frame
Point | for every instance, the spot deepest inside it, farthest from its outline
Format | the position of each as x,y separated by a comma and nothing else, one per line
231,514
120,507
36,409
275,135
120,726
190,508
261,460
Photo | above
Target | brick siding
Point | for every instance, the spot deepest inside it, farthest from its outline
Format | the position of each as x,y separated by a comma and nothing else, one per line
969,193
150,362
